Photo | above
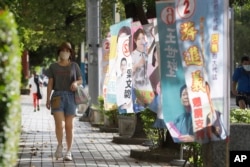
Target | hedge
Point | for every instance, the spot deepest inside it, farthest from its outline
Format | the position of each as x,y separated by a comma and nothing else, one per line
10,77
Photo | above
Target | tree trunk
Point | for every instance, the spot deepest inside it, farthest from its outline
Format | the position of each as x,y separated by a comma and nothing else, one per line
135,12
139,132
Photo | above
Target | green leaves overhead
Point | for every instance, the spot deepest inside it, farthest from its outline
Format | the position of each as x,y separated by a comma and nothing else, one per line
45,22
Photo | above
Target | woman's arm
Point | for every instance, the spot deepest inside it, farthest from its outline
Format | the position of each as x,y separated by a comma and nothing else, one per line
49,90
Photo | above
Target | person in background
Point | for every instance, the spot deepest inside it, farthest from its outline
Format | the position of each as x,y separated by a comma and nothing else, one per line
241,83
61,102
34,85
86,68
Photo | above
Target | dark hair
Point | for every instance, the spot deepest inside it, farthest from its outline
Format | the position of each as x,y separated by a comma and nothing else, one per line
136,35
123,59
153,57
244,58
66,45
182,88
126,30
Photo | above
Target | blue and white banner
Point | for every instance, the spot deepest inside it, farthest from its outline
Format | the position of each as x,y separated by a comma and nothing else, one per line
172,75
194,56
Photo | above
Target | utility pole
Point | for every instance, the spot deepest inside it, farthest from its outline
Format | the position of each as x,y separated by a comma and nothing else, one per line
93,43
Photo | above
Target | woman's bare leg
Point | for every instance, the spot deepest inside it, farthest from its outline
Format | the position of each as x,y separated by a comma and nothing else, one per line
69,129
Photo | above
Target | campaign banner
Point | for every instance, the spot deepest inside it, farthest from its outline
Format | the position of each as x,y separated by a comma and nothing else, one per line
145,77
193,48
118,80
103,62
172,74
202,31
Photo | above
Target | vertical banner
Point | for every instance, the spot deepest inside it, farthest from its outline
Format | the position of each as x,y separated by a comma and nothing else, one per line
202,30
103,62
153,72
175,114
193,48
144,62
118,82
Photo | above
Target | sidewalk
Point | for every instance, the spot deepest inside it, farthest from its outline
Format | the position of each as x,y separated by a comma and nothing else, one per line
91,147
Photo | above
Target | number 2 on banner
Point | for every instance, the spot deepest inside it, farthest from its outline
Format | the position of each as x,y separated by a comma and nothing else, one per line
106,45
185,8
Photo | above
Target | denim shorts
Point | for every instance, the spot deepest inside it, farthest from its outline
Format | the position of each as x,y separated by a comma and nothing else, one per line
243,96
63,101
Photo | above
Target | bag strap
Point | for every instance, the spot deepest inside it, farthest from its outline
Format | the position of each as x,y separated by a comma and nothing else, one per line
36,80
74,71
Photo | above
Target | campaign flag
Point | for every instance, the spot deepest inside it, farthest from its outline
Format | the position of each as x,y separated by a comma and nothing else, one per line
202,32
145,63
103,62
118,82
193,48
172,74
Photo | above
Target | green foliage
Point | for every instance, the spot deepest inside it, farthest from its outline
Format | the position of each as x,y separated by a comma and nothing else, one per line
10,76
43,24
100,100
148,118
194,154
238,2
112,116
240,116
100,105
241,29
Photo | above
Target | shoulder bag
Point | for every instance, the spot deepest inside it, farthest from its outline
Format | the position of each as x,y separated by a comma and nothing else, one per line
81,94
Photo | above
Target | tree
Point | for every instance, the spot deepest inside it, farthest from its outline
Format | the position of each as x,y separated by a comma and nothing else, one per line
238,2
241,29
43,24
140,10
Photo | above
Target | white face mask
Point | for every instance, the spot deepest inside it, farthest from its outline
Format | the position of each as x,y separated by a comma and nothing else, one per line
64,55
246,67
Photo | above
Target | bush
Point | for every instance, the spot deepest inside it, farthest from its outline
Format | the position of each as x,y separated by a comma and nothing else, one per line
240,116
10,77
148,117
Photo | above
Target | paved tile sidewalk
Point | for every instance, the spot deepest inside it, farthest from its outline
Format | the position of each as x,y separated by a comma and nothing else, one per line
91,147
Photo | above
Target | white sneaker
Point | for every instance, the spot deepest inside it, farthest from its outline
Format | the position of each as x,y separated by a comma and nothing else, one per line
68,156
58,153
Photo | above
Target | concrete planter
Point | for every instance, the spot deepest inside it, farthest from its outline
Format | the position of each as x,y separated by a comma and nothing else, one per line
96,116
108,122
239,137
109,126
110,118
126,125
217,153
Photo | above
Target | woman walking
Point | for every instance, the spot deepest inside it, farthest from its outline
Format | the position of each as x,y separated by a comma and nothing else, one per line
61,102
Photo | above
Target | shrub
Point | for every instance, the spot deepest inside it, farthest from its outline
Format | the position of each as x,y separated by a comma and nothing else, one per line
10,77
240,116
148,117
